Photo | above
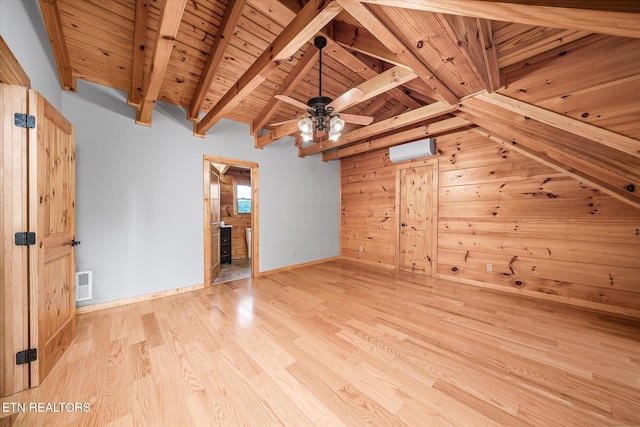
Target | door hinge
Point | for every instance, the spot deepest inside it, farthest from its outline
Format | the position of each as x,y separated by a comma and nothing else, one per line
26,356
24,120
25,238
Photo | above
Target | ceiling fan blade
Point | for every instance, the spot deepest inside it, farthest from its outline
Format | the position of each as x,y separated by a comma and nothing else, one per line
347,99
294,102
358,120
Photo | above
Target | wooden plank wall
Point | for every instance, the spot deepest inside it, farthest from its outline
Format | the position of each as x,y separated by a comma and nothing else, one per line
544,234
227,214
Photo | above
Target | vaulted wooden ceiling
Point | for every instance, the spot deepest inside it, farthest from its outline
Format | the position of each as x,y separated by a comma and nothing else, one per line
558,80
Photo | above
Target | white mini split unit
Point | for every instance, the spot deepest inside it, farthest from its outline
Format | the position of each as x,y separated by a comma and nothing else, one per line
412,150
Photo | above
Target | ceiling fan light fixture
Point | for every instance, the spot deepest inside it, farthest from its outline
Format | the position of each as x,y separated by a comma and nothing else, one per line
334,135
336,124
305,125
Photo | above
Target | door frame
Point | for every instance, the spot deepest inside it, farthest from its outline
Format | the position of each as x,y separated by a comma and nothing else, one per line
255,253
433,162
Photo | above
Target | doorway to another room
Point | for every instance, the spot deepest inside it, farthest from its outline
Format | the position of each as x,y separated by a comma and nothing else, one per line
237,220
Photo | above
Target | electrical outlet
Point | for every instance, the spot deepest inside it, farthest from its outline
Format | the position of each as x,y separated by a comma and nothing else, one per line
361,249
489,267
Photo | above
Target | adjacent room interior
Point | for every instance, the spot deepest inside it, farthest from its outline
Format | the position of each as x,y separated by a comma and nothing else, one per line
320,212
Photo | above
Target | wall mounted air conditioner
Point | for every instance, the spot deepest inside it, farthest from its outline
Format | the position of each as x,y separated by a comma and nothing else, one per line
412,150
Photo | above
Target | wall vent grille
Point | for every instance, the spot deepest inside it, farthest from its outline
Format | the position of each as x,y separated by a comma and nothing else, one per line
84,285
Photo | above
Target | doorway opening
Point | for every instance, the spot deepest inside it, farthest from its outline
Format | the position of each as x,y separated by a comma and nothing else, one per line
230,219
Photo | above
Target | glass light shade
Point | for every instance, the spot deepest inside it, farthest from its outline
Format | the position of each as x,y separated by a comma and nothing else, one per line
336,124
306,136
305,125
333,136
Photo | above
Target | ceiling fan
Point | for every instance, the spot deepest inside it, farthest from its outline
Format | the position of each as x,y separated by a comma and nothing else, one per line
323,111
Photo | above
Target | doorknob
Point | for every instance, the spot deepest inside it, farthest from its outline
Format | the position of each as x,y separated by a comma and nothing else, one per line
75,242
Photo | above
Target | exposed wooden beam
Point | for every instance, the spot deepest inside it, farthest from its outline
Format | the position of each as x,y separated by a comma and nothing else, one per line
360,40
576,127
299,72
397,46
469,33
410,117
315,15
425,131
280,11
600,16
168,25
615,172
420,90
228,24
276,134
51,17
490,54
139,45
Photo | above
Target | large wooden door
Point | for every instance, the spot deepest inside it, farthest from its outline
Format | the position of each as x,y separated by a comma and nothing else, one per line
37,291
52,215
416,219
212,222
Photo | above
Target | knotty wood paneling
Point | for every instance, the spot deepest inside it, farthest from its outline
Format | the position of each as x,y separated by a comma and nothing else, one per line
227,212
545,234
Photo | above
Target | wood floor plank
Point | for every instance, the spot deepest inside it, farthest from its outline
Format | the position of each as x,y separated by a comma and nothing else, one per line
340,343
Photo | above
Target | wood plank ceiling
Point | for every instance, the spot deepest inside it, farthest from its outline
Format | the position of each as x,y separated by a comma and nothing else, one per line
426,68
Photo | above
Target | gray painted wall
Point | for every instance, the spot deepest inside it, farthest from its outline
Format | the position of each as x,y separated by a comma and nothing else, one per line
23,29
139,189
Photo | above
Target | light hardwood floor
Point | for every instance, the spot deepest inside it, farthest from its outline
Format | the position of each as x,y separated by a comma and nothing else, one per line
342,344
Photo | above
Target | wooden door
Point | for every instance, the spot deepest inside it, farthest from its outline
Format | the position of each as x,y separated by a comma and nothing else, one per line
37,292
52,216
416,219
14,306
214,222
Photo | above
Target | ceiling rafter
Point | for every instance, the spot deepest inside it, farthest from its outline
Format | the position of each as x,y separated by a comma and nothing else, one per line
51,17
360,40
168,25
610,170
279,132
373,87
299,72
397,46
470,36
489,54
139,45
410,117
309,21
232,14
604,17
425,131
